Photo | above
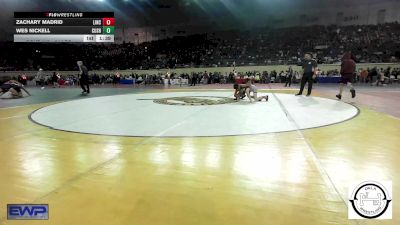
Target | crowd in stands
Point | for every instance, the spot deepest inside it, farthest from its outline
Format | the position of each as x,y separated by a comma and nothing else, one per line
373,44
373,76
368,43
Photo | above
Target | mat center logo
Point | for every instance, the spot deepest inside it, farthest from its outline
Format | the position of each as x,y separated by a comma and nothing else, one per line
195,100
371,200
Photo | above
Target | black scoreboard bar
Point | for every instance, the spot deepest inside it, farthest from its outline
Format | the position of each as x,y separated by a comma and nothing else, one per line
64,26
58,22
63,14
59,30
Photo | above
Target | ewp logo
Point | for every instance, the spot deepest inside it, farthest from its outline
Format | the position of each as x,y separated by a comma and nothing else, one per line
27,212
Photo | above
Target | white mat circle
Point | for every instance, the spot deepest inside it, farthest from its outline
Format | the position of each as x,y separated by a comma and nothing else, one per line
127,115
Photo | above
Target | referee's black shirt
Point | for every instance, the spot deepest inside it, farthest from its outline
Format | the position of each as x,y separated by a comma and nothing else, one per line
308,65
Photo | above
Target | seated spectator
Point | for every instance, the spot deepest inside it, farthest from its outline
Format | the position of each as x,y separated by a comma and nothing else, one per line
363,75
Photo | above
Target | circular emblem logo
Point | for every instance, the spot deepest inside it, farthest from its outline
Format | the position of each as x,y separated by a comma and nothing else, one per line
194,100
370,199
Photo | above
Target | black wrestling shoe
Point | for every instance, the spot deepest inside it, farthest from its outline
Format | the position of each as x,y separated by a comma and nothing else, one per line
353,93
308,95
339,97
298,94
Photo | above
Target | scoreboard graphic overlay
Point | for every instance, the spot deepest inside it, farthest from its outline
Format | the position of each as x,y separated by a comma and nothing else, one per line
64,26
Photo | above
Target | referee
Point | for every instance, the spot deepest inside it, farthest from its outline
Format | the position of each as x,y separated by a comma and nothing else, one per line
309,68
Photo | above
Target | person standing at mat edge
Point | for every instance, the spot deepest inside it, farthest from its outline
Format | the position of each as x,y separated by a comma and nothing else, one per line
309,68
289,76
40,78
347,70
84,77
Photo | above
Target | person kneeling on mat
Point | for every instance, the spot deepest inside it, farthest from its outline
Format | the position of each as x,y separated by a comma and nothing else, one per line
12,89
250,87
240,92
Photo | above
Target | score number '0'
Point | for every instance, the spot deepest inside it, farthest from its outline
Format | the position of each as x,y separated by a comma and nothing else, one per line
108,21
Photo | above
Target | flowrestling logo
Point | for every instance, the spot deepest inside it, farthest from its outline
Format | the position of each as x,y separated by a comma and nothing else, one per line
27,212
370,200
